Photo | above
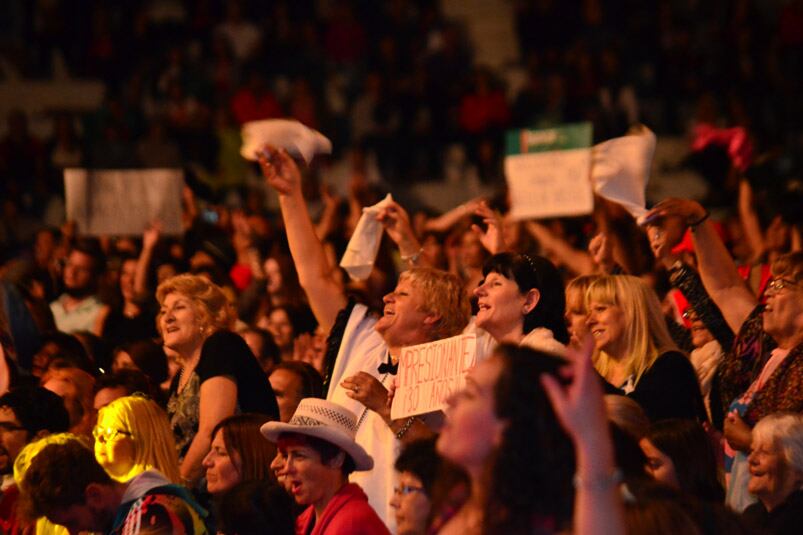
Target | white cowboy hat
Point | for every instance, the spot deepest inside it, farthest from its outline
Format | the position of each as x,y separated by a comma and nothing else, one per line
327,421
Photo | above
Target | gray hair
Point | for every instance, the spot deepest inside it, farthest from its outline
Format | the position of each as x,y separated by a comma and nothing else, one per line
784,431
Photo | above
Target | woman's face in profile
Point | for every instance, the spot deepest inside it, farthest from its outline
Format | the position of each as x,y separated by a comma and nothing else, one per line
659,465
273,274
472,430
222,469
114,446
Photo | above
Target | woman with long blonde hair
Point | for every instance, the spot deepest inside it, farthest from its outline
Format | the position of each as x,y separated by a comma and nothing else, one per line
133,435
635,353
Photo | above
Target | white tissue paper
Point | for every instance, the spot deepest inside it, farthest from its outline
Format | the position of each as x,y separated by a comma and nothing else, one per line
360,255
293,136
620,169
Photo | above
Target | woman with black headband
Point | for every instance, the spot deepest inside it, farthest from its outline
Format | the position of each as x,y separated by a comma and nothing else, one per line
521,301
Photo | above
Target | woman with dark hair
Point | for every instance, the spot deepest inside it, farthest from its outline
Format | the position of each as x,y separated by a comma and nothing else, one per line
291,382
521,301
517,402
491,424
423,476
143,355
680,455
319,452
239,453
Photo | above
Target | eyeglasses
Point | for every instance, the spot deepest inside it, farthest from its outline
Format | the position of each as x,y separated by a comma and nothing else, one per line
8,427
778,284
404,490
107,434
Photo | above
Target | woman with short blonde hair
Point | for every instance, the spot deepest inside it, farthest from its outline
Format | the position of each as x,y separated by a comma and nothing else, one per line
635,353
219,375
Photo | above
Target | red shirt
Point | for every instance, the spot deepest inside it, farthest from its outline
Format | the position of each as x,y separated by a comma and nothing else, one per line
347,513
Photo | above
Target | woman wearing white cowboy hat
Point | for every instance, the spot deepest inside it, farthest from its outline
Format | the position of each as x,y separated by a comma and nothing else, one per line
319,453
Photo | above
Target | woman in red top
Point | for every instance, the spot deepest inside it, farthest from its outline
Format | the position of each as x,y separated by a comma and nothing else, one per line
319,452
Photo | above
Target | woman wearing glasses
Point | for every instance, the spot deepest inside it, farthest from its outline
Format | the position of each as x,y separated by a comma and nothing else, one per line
132,436
763,371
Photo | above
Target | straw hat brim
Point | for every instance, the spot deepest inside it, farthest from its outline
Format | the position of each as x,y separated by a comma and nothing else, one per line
362,461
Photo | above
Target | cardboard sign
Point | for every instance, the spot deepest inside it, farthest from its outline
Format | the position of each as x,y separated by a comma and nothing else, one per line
548,171
124,202
430,373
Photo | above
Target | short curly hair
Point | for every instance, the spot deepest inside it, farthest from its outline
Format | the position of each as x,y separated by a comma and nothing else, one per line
57,478
209,301
442,294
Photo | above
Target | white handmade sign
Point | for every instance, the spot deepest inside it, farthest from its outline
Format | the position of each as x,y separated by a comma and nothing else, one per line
548,172
430,373
123,202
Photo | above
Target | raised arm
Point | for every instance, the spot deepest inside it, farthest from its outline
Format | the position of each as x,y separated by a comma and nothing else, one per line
717,269
579,262
750,223
598,507
150,237
491,237
324,294
396,222
444,222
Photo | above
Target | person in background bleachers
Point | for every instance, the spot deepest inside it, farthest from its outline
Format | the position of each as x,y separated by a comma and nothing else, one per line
293,381
78,308
114,385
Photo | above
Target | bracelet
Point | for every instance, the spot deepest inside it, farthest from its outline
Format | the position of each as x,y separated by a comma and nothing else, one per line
413,258
406,427
598,483
701,220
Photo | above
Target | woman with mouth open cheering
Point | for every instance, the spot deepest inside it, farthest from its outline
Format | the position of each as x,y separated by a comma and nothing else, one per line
427,305
763,371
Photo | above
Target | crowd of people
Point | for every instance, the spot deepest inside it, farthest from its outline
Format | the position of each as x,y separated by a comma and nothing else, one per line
630,377
253,394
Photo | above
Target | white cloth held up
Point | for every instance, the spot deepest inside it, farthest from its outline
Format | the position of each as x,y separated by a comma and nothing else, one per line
620,169
360,255
293,136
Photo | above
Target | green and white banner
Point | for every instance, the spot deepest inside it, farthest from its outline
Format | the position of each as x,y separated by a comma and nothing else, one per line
549,171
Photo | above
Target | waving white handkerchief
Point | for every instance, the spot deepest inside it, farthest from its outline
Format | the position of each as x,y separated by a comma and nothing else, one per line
363,246
293,136
620,169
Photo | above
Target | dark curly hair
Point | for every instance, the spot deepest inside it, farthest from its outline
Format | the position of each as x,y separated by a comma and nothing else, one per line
533,271
529,478
57,478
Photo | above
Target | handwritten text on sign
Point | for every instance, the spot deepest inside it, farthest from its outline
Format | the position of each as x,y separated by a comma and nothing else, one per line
430,373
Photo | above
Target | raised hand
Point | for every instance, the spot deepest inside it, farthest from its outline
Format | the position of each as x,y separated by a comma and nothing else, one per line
601,252
150,236
690,212
397,224
579,405
491,237
280,171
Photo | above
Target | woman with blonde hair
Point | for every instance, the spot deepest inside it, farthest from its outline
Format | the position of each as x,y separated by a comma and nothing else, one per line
634,351
132,436
219,375
576,312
